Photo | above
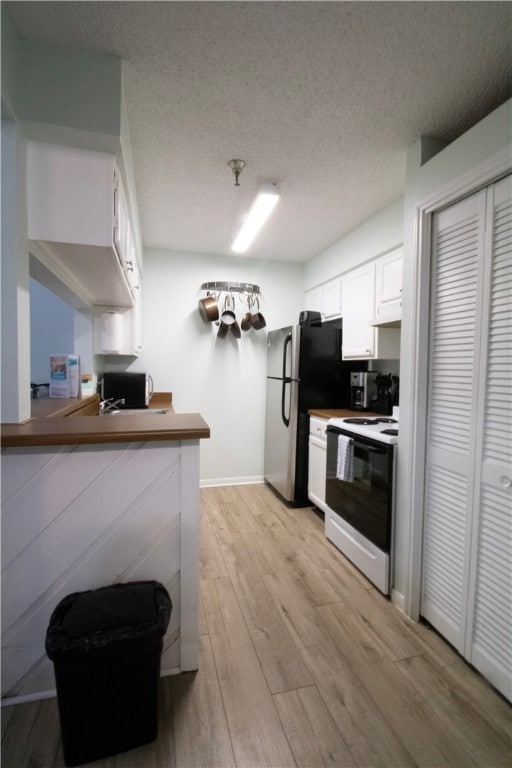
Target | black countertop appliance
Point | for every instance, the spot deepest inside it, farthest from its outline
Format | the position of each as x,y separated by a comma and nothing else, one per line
135,388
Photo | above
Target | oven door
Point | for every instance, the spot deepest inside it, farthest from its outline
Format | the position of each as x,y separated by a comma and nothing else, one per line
366,502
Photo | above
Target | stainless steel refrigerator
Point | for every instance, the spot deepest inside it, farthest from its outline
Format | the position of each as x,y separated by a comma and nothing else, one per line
304,370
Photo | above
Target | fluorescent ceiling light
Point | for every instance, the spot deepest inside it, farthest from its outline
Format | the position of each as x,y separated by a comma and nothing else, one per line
257,216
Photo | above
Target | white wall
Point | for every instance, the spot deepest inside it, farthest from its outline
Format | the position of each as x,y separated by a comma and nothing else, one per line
222,379
380,234
51,330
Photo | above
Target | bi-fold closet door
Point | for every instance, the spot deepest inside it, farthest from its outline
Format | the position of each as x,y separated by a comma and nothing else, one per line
467,544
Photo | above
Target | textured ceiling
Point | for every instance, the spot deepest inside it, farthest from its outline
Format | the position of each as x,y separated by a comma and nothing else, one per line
323,98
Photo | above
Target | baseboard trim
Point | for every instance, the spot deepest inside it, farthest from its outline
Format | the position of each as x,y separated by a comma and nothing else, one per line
28,697
398,600
252,480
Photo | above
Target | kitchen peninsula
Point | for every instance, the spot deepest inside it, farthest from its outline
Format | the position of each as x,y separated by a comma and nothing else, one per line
89,500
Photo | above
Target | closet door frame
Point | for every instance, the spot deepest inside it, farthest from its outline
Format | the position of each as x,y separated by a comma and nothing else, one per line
414,428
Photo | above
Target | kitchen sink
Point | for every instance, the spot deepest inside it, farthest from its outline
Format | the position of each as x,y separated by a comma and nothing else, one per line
136,411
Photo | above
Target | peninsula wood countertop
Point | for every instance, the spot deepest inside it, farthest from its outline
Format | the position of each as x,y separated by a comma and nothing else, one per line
62,423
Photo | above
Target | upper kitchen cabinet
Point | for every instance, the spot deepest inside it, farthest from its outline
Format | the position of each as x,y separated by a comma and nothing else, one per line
326,299
331,299
388,289
361,340
78,221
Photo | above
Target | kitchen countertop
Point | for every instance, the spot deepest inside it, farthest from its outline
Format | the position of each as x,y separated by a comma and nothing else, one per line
57,422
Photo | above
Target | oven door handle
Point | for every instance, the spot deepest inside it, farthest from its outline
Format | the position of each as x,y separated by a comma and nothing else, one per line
369,448
362,446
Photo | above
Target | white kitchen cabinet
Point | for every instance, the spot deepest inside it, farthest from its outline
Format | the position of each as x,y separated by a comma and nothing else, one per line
76,214
358,302
317,462
314,300
117,330
326,299
388,288
361,340
331,299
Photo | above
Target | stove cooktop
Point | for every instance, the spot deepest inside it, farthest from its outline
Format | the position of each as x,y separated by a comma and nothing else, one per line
373,428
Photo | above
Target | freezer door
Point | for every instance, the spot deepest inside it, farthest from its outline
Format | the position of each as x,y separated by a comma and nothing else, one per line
281,436
281,353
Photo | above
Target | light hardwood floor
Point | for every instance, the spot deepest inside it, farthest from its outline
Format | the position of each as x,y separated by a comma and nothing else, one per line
303,663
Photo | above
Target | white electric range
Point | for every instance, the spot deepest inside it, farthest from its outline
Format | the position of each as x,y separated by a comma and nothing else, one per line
360,502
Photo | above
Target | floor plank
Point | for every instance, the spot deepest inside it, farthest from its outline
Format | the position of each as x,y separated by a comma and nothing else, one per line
24,742
279,657
458,715
313,736
200,727
256,732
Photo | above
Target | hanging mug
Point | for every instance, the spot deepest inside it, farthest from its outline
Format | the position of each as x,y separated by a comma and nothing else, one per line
257,319
228,316
223,329
246,320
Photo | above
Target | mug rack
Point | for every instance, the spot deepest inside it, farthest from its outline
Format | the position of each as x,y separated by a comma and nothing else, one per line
228,287
219,307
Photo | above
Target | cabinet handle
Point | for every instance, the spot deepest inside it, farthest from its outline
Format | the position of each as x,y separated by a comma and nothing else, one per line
505,481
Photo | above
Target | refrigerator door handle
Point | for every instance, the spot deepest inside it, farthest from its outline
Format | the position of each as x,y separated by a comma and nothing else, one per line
287,342
286,381
285,419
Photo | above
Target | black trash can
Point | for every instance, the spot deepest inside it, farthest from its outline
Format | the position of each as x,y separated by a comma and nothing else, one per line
106,646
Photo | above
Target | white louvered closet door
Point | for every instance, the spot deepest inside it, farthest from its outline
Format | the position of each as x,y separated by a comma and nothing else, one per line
466,583
489,624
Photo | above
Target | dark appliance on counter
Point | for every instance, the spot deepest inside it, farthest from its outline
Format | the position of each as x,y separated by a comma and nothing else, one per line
387,394
304,370
135,389
359,520
363,389
34,388
310,318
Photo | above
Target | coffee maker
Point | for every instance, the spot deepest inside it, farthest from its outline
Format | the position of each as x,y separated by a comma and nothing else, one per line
363,390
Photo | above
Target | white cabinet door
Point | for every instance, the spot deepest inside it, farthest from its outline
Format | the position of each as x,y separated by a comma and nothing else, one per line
314,300
137,322
331,299
388,286
358,299
467,561
325,299
317,461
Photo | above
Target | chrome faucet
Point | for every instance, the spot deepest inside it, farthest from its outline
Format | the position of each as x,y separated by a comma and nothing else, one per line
109,405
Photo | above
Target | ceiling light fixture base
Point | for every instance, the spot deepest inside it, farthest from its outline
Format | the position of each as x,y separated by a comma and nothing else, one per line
237,167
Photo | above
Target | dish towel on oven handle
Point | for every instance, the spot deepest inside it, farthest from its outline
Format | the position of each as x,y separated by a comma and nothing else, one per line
345,459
